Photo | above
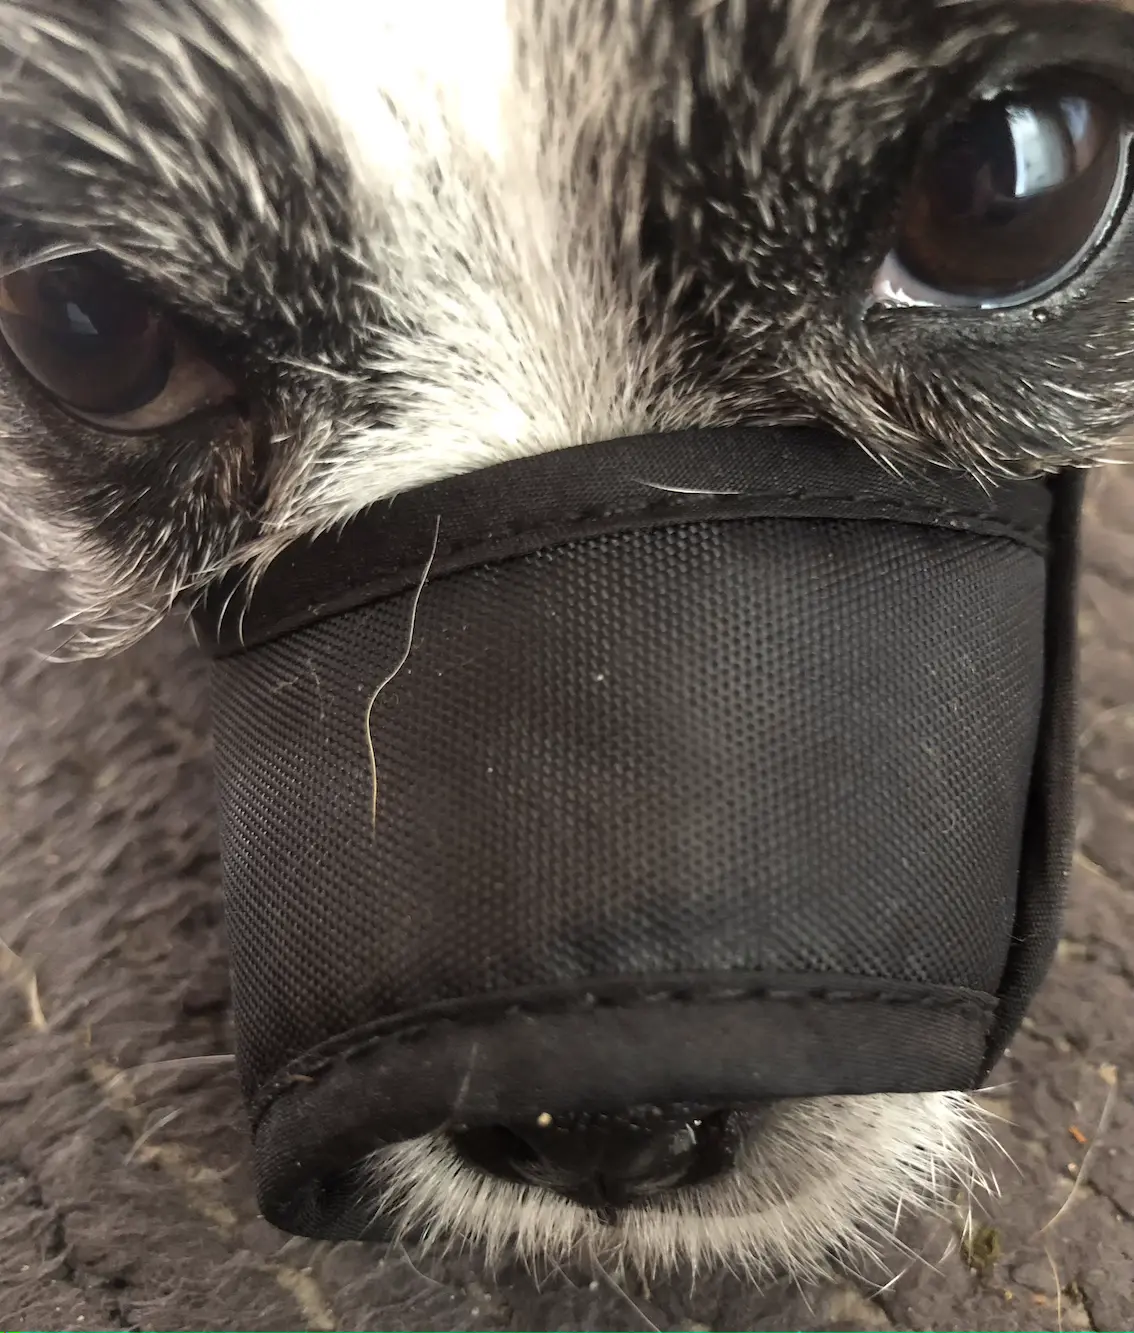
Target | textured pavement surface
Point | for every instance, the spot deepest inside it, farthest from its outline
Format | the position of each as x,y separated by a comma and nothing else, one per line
125,1200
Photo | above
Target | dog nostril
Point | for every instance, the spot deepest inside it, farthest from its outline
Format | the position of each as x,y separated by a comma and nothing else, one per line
606,1162
497,1150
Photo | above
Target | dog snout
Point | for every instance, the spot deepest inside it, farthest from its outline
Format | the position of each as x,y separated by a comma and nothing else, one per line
607,1162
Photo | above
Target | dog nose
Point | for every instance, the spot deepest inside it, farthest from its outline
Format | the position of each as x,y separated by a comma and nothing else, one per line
606,1162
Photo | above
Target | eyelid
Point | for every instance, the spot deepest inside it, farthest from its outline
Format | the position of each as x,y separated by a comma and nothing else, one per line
45,254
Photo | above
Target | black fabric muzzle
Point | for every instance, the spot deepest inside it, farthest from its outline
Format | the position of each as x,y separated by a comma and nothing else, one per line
724,765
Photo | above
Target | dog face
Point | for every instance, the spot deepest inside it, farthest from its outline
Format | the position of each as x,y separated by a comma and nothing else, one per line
268,261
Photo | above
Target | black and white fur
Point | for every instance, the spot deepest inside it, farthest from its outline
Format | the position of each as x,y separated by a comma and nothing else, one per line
423,237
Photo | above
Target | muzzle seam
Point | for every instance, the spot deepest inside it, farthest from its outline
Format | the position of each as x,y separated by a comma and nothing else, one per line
360,1041
564,529
548,526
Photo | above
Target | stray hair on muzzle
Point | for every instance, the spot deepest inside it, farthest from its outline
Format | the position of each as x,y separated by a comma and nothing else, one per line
723,765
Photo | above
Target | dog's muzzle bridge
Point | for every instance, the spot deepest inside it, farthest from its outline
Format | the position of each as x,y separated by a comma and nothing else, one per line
724,766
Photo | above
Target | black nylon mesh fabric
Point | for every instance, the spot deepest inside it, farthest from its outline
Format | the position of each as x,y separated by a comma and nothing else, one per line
762,746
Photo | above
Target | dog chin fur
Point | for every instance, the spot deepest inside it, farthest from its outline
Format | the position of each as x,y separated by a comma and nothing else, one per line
823,1186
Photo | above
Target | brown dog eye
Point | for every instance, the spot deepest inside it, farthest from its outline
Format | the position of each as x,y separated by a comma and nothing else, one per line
1008,201
97,345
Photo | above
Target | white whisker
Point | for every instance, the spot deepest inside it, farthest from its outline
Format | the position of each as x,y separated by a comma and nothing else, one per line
827,1179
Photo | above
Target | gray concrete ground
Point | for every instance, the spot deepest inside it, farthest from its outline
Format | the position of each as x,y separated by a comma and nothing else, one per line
125,1201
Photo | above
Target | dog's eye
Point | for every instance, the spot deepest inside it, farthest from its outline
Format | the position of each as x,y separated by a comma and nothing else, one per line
1009,201
101,349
